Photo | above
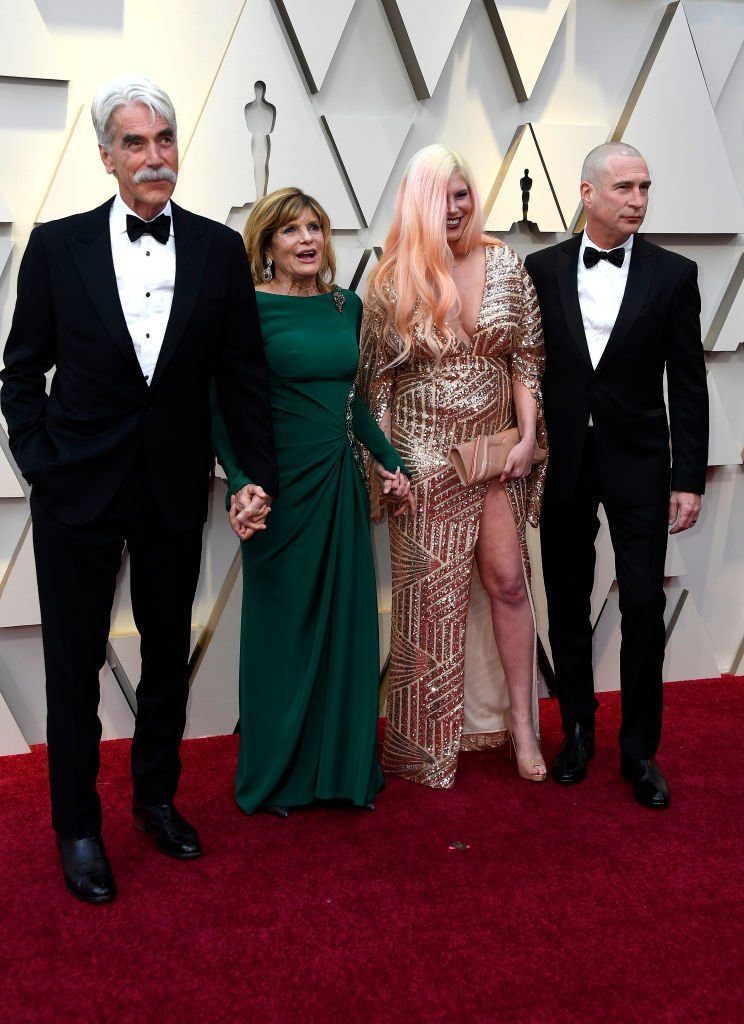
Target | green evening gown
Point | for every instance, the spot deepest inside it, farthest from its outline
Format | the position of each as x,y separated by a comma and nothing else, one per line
309,656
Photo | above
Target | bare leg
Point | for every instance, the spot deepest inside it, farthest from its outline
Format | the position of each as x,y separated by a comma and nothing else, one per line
500,567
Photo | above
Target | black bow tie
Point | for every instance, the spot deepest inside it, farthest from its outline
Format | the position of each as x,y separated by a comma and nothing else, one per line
593,256
158,228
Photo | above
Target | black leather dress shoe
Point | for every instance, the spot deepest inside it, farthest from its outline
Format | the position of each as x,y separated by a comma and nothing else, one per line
173,834
571,760
87,870
650,788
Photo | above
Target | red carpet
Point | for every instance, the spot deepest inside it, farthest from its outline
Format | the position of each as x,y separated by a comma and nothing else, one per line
570,905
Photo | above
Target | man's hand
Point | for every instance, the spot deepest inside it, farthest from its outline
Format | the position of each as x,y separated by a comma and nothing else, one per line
684,509
249,508
398,487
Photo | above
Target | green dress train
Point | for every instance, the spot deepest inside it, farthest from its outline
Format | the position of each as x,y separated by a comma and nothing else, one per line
308,648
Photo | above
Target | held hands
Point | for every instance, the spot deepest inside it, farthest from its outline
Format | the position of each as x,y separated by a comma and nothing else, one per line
398,487
684,509
249,508
519,460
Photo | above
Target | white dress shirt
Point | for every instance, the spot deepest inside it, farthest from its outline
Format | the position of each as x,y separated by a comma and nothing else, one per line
601,291
145,276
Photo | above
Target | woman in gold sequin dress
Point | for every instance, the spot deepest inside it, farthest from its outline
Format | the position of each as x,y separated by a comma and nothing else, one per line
452,348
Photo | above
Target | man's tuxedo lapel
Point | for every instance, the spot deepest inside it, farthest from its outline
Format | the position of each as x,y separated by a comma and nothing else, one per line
91,250
640,273
191,256
567,259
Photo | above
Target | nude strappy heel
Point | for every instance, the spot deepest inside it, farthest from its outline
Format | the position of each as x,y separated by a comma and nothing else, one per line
533,769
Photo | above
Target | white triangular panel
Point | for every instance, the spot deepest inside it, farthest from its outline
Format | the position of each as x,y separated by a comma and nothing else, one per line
526,32
299,152
563,148
717,27
11,737
349,252
15,522
674,564
213,704
425,37
9,484
507,204
19,601
366,270
604,568
117,720
315,29
723,448
80,181
674,125
606,645
731,334
727,372
27,50
355,138
126,647
689,652
22,681
6,248
361,274
716,266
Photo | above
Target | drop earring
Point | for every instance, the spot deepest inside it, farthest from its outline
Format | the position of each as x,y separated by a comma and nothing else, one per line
268,273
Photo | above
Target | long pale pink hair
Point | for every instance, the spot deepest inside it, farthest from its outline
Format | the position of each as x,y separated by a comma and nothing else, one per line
413,280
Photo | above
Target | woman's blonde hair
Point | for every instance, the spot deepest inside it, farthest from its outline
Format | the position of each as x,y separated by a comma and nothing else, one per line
269,215
413,280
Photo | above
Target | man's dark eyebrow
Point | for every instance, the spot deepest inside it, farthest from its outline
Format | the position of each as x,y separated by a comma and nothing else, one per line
134,137
623,181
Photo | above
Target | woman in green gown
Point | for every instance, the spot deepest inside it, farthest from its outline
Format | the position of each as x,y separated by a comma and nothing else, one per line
308,650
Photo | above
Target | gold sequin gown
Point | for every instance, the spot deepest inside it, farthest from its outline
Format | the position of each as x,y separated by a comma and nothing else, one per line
447,689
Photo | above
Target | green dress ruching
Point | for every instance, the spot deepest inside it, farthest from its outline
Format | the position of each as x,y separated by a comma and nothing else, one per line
309,657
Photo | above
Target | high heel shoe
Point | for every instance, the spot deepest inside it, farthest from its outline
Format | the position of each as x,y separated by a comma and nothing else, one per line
533,769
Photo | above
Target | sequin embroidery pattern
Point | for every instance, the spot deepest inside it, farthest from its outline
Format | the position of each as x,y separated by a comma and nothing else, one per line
433,407
350,438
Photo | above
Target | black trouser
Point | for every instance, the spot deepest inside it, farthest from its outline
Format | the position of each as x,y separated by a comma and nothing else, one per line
76,569
568,530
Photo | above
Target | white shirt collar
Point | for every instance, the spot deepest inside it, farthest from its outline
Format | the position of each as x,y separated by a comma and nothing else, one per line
119,211
586,240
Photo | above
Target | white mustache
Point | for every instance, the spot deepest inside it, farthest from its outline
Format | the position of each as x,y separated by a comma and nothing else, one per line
155,174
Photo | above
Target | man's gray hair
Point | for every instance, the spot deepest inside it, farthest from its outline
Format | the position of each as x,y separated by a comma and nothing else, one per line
595,161
128,89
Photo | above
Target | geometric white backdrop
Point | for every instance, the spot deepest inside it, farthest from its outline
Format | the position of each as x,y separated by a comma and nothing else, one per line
357,88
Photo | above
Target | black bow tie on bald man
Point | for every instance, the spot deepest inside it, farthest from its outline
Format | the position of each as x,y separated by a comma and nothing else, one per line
158,228
593,256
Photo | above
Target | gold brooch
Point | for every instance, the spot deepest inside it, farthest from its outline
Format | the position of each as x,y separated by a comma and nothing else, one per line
338,298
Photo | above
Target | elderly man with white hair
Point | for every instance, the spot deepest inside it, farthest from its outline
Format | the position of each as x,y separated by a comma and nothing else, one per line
137,305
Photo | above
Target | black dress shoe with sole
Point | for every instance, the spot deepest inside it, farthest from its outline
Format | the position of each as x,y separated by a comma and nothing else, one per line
650,788
278,810
173,834
86,868
570,763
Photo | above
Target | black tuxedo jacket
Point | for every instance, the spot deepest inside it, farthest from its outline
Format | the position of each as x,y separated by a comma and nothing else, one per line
658,327
76,445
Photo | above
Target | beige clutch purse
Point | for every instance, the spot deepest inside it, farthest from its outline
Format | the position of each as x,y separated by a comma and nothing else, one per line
484,457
